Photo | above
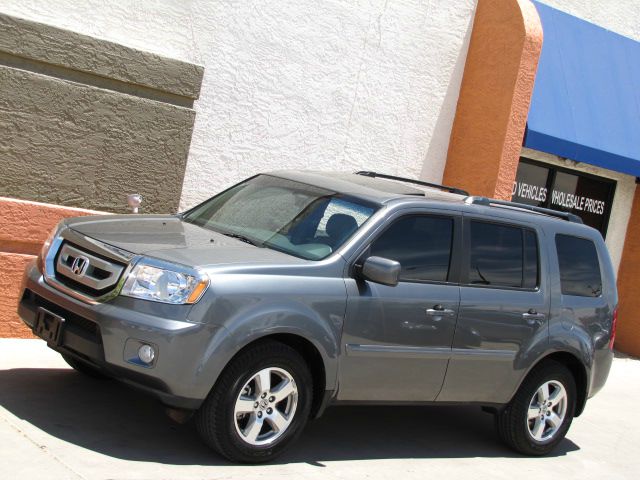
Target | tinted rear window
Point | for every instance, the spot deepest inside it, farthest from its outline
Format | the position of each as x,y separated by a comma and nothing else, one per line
579,266
503,256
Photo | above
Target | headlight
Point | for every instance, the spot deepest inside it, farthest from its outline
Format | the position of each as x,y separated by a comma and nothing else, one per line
164,285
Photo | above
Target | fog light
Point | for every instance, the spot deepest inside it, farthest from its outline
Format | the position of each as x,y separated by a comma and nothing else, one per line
146,353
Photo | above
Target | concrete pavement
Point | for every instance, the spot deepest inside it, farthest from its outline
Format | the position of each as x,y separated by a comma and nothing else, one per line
58,424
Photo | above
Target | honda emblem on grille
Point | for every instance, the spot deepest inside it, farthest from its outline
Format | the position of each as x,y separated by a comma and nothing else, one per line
79,265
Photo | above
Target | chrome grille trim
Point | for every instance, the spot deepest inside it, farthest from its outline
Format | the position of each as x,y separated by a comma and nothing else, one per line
90,271
50,279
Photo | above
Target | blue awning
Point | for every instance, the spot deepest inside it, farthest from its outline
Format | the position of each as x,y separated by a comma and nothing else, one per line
586,99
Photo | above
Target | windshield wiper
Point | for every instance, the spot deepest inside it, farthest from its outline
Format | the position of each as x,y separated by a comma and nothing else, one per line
242,238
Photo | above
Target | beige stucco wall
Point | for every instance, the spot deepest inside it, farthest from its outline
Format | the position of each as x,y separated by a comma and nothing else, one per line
622,201
340,85
85,122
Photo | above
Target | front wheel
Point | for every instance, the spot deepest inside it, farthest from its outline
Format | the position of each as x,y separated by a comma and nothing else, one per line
540,414
259,405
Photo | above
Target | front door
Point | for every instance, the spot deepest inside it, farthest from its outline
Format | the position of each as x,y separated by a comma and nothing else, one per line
397,340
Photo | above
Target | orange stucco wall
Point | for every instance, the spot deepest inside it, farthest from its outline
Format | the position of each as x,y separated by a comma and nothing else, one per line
11,265
24,226
499,73
628,333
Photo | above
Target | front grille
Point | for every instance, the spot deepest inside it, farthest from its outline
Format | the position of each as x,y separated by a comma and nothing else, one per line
86,272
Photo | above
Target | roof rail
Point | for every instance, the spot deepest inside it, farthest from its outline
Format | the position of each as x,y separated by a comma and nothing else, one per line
416,182
488,202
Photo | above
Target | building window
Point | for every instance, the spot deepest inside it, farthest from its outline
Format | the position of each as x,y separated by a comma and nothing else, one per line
588,196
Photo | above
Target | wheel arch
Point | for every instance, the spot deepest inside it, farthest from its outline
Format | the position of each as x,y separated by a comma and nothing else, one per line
577,369
320,362
312,357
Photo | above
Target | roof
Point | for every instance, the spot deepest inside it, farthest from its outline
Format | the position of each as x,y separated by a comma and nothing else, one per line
375,190
586,102
383,192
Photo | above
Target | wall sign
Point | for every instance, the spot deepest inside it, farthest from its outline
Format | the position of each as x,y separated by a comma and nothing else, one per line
588,196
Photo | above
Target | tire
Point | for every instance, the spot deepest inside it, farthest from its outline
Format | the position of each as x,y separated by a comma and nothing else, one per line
528,434
84,368
283,412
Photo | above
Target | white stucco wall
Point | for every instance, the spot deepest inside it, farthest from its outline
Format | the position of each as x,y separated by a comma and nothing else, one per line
622,200
331,85
160,26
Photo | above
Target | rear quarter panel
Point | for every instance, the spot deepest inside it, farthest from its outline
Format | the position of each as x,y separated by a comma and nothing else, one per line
582,325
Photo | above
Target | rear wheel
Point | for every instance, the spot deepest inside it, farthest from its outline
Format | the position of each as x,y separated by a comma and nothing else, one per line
540,414
83,367
259,405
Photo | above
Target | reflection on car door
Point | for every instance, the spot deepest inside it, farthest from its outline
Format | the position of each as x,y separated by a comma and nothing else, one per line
504,307
397,340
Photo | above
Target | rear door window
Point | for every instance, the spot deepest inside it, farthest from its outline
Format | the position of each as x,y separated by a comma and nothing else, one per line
503,256
579,266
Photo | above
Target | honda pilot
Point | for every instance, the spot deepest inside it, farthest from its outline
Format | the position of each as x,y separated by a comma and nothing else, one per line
293,291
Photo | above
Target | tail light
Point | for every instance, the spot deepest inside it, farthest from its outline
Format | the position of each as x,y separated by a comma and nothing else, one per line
614,324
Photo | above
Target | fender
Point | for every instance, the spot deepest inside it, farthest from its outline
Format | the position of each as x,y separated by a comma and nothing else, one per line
264,319
575,342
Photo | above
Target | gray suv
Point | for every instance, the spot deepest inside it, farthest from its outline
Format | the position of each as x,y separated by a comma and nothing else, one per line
292,291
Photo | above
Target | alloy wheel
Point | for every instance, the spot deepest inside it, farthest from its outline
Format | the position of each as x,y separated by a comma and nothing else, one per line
547,410
266,406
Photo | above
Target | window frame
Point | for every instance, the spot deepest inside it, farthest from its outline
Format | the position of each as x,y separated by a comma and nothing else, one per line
453,278
466,261
595,246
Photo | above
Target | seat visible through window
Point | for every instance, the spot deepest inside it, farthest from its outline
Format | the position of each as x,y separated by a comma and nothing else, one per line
340,227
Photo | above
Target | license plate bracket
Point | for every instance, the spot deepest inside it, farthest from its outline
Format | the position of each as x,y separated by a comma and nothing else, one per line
49,326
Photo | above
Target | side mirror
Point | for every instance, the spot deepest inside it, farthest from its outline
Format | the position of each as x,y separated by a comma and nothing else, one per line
381,270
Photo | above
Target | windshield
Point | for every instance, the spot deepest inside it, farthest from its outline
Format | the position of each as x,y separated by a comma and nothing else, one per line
292,217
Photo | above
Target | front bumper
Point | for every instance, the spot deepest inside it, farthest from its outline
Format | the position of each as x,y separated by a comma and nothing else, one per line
106,335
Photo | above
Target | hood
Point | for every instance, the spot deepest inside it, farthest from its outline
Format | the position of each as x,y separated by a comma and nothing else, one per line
167,237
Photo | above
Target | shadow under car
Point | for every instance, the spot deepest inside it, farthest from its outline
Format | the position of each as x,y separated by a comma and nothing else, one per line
109,418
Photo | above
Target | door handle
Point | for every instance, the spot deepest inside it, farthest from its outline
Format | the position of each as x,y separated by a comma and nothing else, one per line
533,317
440,311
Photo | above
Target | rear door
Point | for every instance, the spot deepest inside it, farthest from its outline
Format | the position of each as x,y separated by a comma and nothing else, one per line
504,309
397,340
